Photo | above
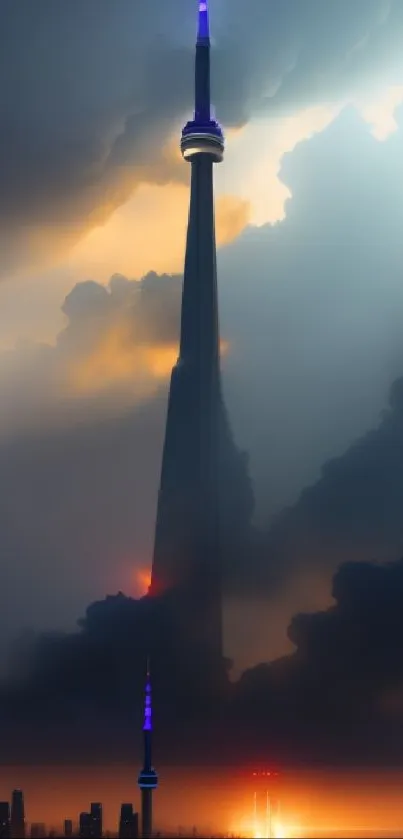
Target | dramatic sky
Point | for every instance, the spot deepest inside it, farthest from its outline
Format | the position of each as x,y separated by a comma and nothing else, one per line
309,217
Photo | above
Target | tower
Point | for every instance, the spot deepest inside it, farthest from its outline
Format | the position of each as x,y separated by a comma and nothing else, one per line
148,778
17,814
187,559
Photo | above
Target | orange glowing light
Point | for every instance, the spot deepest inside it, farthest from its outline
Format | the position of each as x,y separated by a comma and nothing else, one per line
143,581
160,360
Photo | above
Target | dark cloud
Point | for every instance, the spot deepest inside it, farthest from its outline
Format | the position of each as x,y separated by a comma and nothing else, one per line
353,510
91,92
338,695
340,692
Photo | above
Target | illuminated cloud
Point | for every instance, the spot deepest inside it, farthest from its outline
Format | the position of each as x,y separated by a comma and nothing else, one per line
150,231
256,176
116,351
380,112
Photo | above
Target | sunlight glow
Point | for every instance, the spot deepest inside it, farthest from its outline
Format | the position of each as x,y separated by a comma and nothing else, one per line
380,112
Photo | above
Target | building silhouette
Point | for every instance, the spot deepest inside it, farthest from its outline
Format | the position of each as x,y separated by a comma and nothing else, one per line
198,446
4,820
148,778
68,828
38,830
17,815
96,820
84,825
128,822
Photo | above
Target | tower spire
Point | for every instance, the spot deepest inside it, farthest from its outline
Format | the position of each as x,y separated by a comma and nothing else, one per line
202,68
147,724
148,778
203,32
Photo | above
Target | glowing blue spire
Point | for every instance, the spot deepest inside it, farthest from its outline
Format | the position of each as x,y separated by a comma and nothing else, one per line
147,725
148,778
203,33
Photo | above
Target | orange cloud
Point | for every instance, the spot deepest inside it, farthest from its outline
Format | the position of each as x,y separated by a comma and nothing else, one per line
232,216
149,232
116,360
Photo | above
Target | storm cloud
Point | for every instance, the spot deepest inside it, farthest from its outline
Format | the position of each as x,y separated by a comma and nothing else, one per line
91,93
338,694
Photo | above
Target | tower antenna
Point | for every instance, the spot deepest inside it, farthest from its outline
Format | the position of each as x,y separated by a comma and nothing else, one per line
148,778
203,32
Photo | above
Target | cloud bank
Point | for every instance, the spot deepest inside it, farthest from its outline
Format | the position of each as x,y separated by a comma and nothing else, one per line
337,696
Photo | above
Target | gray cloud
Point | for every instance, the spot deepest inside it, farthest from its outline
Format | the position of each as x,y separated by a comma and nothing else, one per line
91,91
324,294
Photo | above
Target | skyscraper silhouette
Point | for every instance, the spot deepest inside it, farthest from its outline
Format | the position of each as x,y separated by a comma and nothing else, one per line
128,822
84,825
17,815
148,778
68,828
187,557
4,820
96,820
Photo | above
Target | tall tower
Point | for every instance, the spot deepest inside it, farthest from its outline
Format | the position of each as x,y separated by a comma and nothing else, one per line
187,541
148,778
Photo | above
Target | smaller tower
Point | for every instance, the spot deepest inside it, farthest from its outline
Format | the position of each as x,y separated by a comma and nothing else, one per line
148,778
